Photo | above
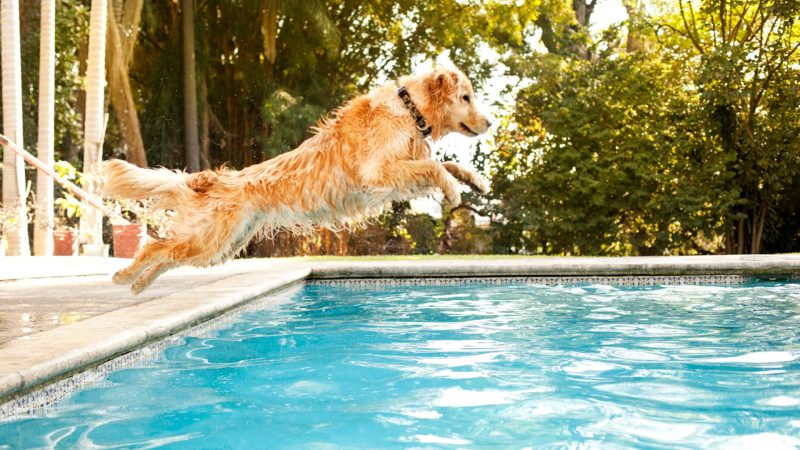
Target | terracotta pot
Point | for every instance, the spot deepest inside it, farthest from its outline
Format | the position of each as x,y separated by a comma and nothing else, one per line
128,239
65,242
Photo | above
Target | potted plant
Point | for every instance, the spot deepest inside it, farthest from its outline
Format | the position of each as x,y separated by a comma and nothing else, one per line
68,213
130,237
65,231
69,210
65,242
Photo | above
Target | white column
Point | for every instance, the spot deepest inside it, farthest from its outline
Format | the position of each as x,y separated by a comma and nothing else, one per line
43,231
94,128
13,166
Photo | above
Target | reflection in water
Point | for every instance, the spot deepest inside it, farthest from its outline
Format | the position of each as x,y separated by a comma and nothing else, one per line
39,304
29,323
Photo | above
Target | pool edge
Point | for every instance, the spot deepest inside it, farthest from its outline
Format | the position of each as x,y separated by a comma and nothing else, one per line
766,266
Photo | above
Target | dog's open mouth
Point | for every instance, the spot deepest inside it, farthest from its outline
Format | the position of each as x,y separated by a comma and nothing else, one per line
467,129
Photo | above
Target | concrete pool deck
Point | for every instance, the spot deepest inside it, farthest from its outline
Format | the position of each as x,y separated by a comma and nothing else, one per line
61,315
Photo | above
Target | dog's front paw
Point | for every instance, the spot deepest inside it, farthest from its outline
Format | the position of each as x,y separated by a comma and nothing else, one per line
454,200
478,183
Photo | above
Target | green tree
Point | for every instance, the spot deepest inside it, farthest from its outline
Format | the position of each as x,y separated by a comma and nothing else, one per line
602,158
683,141
748,73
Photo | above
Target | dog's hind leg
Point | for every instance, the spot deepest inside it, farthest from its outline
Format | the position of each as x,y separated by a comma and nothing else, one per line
201,249
152,253
128,274
148,276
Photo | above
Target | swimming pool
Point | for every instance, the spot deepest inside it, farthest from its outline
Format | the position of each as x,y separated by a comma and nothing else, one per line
515,365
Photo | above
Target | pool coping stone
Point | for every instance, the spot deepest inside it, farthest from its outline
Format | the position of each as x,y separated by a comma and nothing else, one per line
754,265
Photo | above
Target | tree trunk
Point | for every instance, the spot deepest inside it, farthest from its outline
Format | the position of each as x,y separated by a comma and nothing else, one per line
94,124
128,25
14,200
634,42
758,227
191,144
71,147
583,14
729,244
579,6
43,231
204,142
740,238
119,86
269,28
246,144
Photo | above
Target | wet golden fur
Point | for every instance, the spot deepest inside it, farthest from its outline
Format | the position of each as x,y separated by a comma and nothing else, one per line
368,155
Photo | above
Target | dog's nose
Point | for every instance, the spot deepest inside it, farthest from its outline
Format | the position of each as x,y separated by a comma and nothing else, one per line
488,123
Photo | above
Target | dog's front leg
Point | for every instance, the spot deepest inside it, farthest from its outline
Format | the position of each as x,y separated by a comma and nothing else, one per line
467,176
419,173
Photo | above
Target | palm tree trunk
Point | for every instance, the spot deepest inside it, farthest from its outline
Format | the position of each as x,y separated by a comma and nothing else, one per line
91,219
43,231
191,141
13,166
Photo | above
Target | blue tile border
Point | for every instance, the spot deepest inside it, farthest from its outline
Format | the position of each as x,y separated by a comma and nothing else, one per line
616,280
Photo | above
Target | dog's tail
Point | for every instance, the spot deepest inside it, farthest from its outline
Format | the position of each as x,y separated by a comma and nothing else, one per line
124,180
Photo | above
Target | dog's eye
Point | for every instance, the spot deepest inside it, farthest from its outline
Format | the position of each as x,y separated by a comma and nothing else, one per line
466,98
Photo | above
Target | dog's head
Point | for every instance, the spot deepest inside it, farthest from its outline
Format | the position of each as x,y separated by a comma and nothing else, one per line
452,102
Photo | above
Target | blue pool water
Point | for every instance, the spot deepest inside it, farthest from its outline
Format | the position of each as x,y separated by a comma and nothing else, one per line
474,365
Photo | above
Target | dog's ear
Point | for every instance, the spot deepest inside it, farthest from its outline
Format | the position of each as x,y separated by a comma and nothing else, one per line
442,85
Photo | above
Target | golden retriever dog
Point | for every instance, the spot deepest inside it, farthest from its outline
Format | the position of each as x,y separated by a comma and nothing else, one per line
371,152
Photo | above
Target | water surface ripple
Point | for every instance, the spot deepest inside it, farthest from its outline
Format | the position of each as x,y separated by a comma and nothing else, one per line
462,366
